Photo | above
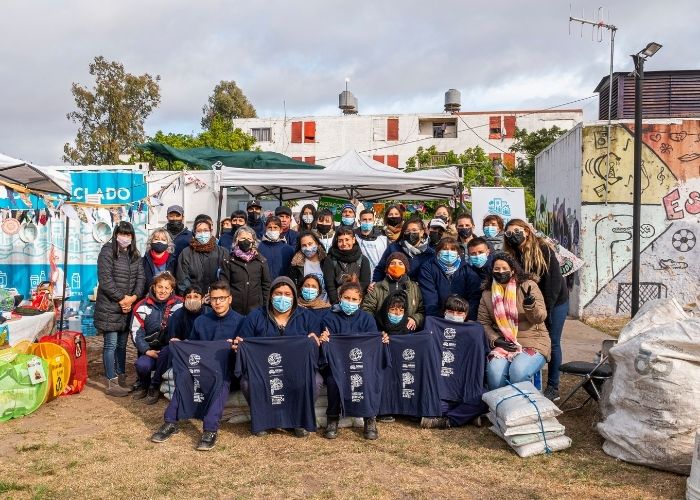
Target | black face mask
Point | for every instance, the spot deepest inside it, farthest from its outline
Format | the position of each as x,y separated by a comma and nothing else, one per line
253,217
323,228
235,227
159,246
515,239
435,237
501,277
245,245
393,221
175,226
464,232
442,217
412,238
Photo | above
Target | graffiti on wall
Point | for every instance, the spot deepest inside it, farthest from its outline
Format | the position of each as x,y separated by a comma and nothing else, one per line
562,224
670,215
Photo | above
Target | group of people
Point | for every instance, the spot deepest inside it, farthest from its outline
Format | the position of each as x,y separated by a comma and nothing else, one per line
263,278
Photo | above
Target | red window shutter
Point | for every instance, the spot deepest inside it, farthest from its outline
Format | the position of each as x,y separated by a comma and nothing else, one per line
509,125
392,161
310,159
296,132
509,160
495,156
297,158
378,158
392,129
309,131
494,127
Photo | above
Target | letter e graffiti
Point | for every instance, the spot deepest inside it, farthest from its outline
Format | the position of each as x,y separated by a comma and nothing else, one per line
673,211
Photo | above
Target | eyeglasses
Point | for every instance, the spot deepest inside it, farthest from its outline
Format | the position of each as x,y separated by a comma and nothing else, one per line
216,300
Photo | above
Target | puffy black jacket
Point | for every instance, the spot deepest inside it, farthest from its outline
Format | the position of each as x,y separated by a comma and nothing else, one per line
249,281
199,268
117,277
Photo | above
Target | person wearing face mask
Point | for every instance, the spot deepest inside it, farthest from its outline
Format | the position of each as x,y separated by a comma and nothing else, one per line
538,258
512,312
180,235
255,220
392,318
225,226
436,231
397,280
443,212
479,256
200,262
445,275
325,228
239,218
121,283
158,257
150,334
246,272
308,259
372,241
348,215
493,232
289,234
344,262
393,220
465,231
311,295
182,320
307,218
414,244
275,248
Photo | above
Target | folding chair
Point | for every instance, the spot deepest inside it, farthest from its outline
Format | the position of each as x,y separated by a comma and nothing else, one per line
592,375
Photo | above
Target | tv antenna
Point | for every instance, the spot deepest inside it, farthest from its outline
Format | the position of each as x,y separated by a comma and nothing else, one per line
598,28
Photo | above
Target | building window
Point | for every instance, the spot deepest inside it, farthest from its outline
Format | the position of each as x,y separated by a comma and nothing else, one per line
495,156
309,131
509,160
297,158
379,158
438,129
392,129
494,127
261,134
379,131
296,132
392,160
509,126
310,159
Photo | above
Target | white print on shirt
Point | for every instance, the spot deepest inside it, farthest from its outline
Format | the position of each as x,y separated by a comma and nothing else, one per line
274,359
355,354
408,354
450,333
275,371
357,392
194,359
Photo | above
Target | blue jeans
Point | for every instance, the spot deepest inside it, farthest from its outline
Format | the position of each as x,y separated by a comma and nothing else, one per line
500,371
555,326
114,353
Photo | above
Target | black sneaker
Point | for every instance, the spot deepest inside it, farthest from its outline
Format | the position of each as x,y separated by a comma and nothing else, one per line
207,441
331,428
300,432
153,396
435,423
552,393
371,431
386,418
163,434
139,394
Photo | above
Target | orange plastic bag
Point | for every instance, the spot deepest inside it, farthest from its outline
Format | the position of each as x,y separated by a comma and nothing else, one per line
59,366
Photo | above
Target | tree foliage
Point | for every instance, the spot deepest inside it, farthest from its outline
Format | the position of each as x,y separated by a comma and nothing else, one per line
530,144
111,115
220,135
228,102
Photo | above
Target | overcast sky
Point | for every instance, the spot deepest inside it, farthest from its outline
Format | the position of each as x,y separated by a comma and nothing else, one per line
400,55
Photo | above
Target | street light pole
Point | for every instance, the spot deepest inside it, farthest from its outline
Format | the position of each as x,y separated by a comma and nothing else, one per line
638,59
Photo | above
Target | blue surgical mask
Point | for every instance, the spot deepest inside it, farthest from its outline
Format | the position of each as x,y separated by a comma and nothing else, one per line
348,221
281,303
309,293
310,251
366,226
490,231
448,257
272,235
395,319
349,307
203,237
452,317
478,260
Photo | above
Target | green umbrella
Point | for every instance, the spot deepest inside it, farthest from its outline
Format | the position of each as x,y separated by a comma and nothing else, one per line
207,157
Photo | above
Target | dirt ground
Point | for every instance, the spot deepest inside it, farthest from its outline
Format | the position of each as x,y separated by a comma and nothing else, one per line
93,446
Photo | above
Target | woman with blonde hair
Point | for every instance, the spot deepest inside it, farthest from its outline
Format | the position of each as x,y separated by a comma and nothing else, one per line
537,257
159,256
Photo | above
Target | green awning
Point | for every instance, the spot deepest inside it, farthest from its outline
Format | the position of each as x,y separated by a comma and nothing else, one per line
206,157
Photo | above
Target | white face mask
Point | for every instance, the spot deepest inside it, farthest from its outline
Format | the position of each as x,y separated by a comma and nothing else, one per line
452,317
273,235
308,219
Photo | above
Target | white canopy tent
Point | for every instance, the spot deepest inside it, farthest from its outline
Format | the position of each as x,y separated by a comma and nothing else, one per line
350,176
32,177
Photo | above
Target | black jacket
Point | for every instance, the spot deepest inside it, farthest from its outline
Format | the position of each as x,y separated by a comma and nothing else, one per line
249,282
117,277
334,271
199,268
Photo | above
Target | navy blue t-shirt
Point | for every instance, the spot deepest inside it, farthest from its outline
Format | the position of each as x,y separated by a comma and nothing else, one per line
411,384
357,363
463,367
281,372
201,369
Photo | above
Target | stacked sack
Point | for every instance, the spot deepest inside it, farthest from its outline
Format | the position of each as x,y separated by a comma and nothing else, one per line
525,420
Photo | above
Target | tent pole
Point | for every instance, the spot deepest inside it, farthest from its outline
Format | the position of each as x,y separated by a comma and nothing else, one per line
280,197
65,272
218,216
460,186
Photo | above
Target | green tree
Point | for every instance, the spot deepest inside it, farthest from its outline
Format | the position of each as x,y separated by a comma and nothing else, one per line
221,135
228,102
111,115
530,144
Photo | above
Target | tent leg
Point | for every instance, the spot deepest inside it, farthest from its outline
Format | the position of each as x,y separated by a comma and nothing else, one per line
65,273
218,218
280,197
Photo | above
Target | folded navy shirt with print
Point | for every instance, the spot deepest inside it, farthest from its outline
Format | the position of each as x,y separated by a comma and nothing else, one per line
281,372
411,383
357,363
463,365
201,370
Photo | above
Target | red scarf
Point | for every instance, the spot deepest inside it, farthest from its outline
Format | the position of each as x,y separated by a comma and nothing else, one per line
159,261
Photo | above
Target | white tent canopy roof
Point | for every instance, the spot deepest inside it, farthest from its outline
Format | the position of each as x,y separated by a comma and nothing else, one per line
32,177
350,176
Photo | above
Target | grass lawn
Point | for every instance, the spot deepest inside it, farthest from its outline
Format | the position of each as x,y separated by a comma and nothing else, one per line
92,446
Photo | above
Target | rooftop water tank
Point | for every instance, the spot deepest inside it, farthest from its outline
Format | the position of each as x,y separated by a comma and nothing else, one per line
453,100
347,102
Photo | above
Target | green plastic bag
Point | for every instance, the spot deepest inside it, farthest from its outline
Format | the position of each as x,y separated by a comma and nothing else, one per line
18,395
